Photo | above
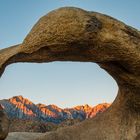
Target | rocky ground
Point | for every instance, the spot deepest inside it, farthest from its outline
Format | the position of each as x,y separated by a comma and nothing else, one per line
34,129
19,125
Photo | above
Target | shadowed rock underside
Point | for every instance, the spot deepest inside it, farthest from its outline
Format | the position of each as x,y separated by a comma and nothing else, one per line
4,124
73,34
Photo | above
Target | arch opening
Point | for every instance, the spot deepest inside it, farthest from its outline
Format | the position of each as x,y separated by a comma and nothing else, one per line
67,84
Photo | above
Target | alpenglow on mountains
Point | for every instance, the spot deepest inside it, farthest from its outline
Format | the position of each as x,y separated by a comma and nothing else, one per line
19,107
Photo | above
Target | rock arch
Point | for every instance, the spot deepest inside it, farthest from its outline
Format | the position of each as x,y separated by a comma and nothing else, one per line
73,34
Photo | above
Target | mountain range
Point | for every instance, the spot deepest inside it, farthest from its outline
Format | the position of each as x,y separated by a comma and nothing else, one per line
19,107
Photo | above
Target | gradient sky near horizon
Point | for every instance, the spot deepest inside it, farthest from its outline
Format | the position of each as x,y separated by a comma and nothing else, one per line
65,84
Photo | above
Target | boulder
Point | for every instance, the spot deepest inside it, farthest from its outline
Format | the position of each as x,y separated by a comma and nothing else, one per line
4,124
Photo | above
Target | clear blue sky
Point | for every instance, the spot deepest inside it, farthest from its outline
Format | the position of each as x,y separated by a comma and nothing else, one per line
64,84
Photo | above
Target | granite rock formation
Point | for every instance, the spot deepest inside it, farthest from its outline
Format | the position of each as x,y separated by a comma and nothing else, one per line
73,34
4,124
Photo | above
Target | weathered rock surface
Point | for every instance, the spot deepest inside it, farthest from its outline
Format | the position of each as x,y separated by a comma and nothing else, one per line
72,34
23,136
4,124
